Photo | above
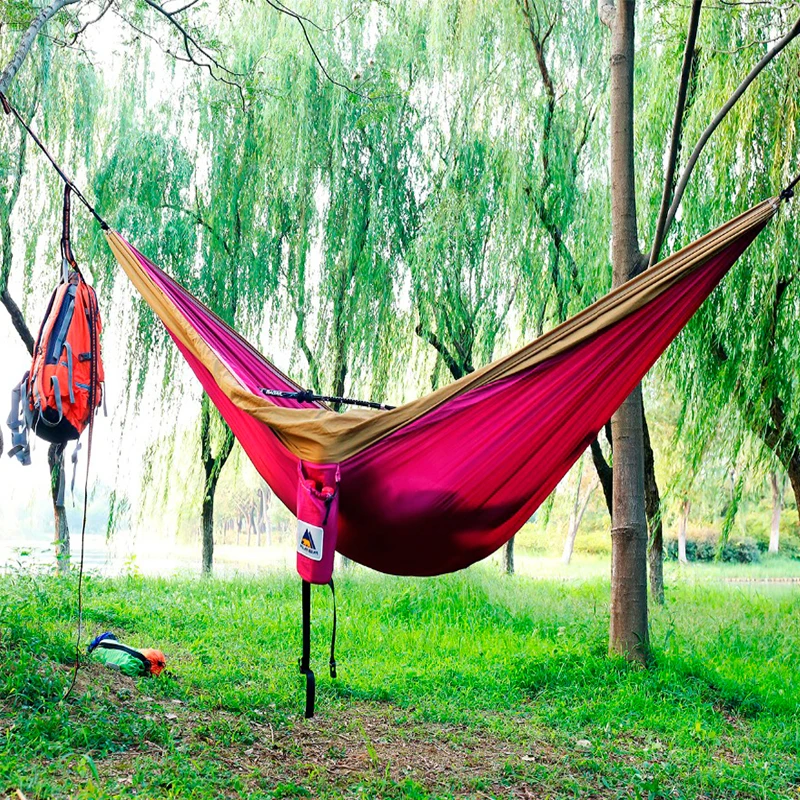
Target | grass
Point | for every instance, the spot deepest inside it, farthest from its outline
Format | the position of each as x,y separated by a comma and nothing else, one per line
473,685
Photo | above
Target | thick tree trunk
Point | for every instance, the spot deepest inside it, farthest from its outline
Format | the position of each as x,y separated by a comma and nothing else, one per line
682,532
628,633
652,506
777,507
508,556
55,460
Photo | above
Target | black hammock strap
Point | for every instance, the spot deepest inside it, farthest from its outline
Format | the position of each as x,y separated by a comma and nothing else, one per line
307,396
305,658
9,109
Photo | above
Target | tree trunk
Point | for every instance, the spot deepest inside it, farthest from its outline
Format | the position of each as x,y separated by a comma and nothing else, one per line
652,506
628,632
24,46
212,467
793,471
508,556
208,525
605,472
55,460
682,532
264,496
777,507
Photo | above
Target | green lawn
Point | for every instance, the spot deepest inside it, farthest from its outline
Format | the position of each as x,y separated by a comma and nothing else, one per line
474,685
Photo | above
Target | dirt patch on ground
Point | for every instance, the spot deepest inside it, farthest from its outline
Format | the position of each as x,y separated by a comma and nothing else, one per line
375,746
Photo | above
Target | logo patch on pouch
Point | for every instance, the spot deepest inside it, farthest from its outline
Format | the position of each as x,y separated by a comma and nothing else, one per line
309,540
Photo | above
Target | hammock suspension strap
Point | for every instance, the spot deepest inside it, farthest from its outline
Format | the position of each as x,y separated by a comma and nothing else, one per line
9,109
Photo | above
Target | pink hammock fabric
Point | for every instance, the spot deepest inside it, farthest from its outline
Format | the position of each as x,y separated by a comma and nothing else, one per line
453,485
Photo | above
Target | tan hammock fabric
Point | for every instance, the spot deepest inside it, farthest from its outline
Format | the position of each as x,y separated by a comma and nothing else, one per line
324,436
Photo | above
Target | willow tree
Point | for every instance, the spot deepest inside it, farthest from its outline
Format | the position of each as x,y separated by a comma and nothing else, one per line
59,94
188,44
341,201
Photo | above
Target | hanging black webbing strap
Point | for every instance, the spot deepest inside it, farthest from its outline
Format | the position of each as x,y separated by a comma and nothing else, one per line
305,658
305,667
333,634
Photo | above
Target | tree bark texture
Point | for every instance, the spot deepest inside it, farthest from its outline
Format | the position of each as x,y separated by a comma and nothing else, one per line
212,467
55,460
777,507
682,531
508,557
652,506
628,633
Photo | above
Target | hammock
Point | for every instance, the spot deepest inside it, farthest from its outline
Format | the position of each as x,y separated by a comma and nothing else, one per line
445,480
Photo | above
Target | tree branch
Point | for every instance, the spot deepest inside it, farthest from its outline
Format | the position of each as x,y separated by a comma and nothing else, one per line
734,98
677,125
604,472
433,340
301,21
17,320
85,25
189,41
27,40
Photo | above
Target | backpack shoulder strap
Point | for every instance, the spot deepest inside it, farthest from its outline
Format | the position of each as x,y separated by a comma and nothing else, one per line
18,423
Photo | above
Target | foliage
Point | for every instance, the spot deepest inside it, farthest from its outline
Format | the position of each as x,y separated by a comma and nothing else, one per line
507,681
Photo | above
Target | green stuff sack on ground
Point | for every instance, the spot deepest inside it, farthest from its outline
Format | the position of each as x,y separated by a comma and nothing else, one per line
110,652
119,660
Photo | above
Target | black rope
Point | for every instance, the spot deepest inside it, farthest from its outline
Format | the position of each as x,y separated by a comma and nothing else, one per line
307,396
9,109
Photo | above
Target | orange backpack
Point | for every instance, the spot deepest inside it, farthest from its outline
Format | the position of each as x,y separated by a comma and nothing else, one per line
65,384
